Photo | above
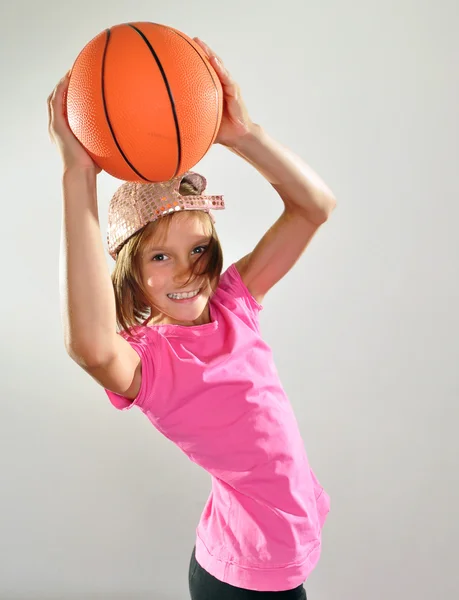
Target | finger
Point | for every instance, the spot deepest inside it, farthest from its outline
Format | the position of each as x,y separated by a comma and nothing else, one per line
51,114
48,104
229,84
210,53
213,57
202,45
60,87
220,66
63,84
55,105
57,99
216,61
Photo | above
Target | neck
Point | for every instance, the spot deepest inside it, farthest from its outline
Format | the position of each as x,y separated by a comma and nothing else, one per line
164,319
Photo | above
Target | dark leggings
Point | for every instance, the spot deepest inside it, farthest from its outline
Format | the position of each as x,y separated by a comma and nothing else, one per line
203,586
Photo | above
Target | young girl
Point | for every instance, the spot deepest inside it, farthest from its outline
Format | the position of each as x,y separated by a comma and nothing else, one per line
188,350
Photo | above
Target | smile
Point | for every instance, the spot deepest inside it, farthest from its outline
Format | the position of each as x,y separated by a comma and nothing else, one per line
184,295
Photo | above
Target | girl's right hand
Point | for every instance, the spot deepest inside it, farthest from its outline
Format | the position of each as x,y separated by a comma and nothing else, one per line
72,152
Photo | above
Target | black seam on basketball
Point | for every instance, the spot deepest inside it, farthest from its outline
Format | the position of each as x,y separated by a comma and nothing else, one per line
169,91
212,79
106,112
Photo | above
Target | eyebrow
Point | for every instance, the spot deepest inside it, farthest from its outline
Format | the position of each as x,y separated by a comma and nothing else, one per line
195,242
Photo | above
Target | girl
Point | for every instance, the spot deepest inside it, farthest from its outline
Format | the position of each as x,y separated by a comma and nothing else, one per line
188,350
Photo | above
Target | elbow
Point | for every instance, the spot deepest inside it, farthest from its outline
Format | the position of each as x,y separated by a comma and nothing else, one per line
322,211
329,207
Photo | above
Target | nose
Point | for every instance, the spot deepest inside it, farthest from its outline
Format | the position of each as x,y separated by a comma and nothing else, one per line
182,271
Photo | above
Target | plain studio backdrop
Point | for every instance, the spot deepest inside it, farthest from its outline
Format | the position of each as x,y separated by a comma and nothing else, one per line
95,504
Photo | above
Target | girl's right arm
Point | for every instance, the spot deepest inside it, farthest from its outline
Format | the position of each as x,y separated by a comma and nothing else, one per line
86,291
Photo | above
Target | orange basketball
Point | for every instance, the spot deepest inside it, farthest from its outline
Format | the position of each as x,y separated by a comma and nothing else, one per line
144,101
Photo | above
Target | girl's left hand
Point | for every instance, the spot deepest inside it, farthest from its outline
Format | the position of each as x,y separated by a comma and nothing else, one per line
235,122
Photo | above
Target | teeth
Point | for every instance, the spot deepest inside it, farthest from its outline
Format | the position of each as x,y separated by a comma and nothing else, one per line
182,296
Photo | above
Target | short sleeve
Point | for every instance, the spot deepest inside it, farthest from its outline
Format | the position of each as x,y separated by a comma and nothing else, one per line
145,349
231,282
243,290
235,296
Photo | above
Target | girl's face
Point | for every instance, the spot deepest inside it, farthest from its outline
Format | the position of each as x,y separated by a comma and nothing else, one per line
166,266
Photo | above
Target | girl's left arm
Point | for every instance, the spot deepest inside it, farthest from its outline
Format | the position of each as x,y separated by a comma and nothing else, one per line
308,202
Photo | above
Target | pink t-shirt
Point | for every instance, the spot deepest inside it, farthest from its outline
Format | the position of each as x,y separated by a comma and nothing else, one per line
214,391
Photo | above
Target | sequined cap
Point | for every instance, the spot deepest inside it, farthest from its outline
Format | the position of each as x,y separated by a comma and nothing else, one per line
134,205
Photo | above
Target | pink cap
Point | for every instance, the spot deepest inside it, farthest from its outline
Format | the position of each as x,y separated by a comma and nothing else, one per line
136,204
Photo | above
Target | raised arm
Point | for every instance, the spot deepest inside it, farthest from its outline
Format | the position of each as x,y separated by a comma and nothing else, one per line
86,291
308,203
307,200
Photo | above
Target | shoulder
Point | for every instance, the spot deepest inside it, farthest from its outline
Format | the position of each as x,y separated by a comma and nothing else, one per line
140,334
144,340
233,294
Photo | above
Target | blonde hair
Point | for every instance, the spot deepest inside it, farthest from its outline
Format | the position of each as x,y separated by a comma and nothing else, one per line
133,307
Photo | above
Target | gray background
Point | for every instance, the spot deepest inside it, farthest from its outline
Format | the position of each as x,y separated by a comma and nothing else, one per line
96,504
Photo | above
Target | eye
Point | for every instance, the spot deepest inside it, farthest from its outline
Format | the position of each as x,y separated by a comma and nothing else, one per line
201,249
159,257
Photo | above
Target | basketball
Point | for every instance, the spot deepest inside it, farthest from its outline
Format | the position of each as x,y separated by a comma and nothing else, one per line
144,101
